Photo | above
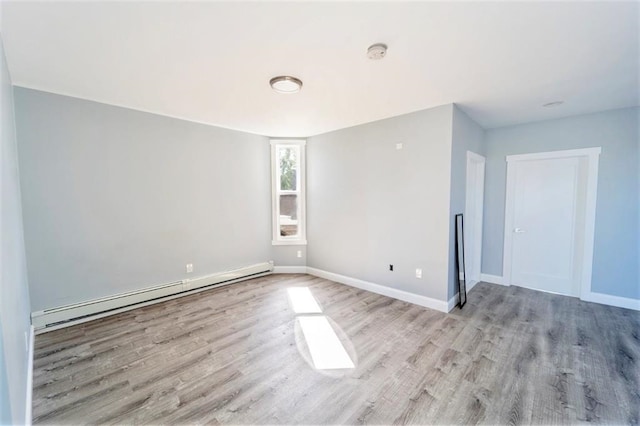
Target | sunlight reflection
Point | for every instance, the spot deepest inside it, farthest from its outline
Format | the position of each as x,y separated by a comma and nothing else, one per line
327,352
303,301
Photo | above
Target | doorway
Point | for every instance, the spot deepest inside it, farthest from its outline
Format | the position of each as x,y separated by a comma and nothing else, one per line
550,220
473,208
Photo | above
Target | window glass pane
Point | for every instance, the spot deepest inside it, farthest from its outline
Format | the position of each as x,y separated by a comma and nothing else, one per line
288,159
288,215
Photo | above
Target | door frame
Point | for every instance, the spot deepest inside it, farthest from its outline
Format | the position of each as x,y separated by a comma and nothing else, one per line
592,156
475,164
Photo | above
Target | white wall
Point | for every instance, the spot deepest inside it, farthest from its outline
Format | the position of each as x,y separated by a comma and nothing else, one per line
14,302
116,200
370,205
616,253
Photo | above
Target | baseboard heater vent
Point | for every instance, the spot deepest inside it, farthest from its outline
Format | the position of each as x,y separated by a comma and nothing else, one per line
80,312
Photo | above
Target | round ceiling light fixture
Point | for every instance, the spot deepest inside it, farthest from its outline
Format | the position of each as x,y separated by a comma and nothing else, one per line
553,104
286,84
377,51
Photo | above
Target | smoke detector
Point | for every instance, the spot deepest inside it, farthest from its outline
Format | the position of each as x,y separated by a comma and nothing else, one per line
377,51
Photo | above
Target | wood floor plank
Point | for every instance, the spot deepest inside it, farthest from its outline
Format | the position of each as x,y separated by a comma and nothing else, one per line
236,355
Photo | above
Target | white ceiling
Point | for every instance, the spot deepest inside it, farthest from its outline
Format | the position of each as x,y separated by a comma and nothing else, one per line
211,62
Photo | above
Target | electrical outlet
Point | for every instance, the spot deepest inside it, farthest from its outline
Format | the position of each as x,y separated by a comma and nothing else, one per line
399,146
391,268
299,253
418,273
189,268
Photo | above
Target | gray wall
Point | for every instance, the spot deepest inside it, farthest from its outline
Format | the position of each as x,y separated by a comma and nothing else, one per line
116,200
14,302
370,205
5,399
288,255
467,136
616,251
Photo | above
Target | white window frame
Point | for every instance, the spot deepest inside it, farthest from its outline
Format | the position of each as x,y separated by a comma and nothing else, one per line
301,238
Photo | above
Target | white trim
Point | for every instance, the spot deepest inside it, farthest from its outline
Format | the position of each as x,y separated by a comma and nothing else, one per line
416,299
474,156
301,238
474,195
289,269
592,156
141,305
548,155
492,279
64,316
590,220
508,224
285,141
29,396
289,242
453,302
472,285
607,299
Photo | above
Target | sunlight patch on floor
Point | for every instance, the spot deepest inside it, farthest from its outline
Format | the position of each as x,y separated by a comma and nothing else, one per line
302,301
327,351
325,348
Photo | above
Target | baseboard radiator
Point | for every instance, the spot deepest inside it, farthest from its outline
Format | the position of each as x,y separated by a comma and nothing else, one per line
71,314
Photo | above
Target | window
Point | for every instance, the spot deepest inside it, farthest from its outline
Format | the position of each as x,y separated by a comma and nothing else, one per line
288,183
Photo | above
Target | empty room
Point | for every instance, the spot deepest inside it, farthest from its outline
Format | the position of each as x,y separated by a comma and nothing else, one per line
304,212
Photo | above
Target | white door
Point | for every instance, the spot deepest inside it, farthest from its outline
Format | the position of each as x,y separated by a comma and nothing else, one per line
547,210
474,197
549,223
544,225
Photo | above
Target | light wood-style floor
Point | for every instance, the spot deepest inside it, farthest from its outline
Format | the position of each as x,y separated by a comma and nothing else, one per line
234,355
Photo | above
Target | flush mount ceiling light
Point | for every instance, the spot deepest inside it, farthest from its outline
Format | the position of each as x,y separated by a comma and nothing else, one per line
377,51
553,104
285,84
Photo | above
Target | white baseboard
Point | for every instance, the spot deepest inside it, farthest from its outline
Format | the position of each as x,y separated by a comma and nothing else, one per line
453,302
29,396
65,316
607,299
427,302
604,299
289,269
492,279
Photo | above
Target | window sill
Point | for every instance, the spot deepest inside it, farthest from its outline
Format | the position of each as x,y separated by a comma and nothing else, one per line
289,243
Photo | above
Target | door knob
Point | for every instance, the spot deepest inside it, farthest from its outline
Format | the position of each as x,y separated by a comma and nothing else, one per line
518,230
